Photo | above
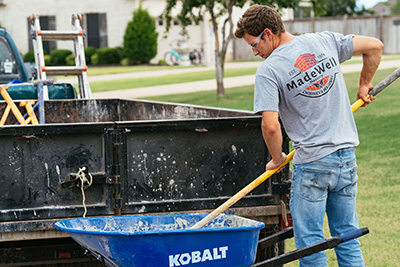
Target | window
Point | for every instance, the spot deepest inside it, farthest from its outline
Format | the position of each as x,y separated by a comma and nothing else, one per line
8,66
96,29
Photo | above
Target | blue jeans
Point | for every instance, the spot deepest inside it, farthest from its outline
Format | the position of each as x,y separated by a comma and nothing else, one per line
326,185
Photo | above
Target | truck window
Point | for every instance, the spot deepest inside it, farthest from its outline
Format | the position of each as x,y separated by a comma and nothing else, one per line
8,65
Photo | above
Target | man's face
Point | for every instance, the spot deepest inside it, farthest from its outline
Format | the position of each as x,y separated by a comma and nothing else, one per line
261,45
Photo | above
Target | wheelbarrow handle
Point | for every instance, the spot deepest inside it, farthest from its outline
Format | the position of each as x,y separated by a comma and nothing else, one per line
328,243
355,234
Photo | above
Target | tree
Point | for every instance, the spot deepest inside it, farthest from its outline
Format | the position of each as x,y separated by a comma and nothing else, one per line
333,8
140,39
337,8
218,10
395,8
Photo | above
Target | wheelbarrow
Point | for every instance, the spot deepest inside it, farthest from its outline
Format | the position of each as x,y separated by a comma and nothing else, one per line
166,240
169,240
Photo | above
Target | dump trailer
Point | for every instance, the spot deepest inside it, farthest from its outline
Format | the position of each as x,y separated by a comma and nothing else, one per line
117,157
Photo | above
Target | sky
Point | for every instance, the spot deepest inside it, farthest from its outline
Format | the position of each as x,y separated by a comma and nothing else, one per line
368,3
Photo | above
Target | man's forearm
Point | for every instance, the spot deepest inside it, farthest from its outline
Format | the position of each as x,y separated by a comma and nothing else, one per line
370,66
274,144
272,133
371,50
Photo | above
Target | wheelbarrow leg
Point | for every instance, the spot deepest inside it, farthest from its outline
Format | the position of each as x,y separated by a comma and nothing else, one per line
330,243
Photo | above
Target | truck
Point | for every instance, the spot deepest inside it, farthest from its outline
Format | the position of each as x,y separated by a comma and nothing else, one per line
118,157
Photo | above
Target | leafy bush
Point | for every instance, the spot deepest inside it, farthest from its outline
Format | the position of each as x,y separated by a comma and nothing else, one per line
162,62
58,56
29,57
120,51
70,60
94,59
89,52
124,62
47,60
140,39
106,55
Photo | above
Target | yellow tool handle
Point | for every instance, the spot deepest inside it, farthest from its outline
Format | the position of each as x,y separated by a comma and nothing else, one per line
358,104
227,204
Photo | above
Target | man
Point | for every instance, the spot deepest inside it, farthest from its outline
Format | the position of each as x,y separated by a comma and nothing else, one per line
301,81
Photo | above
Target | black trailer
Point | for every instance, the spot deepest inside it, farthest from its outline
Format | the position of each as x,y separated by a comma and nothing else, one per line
143,158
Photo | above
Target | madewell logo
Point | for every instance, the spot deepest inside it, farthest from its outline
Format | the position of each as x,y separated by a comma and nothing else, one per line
198,256
312,74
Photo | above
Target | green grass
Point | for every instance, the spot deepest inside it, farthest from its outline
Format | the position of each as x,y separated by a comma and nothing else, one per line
358,59
236,98
378,160
93,70
167,79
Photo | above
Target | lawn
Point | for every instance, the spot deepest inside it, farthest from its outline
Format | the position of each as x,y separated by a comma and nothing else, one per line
166,79
378,161
94,70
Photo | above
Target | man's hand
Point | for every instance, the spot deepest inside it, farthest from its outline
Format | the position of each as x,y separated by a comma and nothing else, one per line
273,164
362,94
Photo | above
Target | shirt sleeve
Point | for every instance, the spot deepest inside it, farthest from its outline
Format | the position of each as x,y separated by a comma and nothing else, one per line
344,45
266,95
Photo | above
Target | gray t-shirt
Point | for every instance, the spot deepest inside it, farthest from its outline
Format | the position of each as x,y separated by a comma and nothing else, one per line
302,81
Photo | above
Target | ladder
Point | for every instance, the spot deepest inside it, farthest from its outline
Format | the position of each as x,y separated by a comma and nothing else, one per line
75,35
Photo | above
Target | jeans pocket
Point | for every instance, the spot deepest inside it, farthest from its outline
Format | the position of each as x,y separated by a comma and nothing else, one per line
314,184
350,183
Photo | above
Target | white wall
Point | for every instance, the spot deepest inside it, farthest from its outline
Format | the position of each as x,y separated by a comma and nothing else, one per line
14,17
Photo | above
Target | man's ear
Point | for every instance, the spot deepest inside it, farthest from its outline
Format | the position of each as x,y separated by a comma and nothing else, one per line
268,33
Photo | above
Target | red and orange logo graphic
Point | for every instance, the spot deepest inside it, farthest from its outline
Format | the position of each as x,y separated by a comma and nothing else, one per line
305,62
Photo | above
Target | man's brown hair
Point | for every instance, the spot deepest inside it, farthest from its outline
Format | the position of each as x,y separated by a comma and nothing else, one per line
256,19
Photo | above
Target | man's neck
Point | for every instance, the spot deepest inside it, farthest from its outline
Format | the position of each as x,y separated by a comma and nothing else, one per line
284,38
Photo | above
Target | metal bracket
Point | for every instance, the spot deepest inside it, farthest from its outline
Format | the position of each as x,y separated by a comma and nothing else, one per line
72,179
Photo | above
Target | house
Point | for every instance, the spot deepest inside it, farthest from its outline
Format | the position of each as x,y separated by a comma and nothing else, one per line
104,22
383,8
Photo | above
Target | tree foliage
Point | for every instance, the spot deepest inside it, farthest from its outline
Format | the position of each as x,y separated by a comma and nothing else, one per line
337,8
140,39
395,8
220,12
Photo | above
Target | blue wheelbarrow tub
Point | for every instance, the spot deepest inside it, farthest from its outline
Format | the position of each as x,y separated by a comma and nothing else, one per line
167,240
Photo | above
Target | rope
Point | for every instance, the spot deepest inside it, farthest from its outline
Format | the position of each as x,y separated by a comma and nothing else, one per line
284,214
82,176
